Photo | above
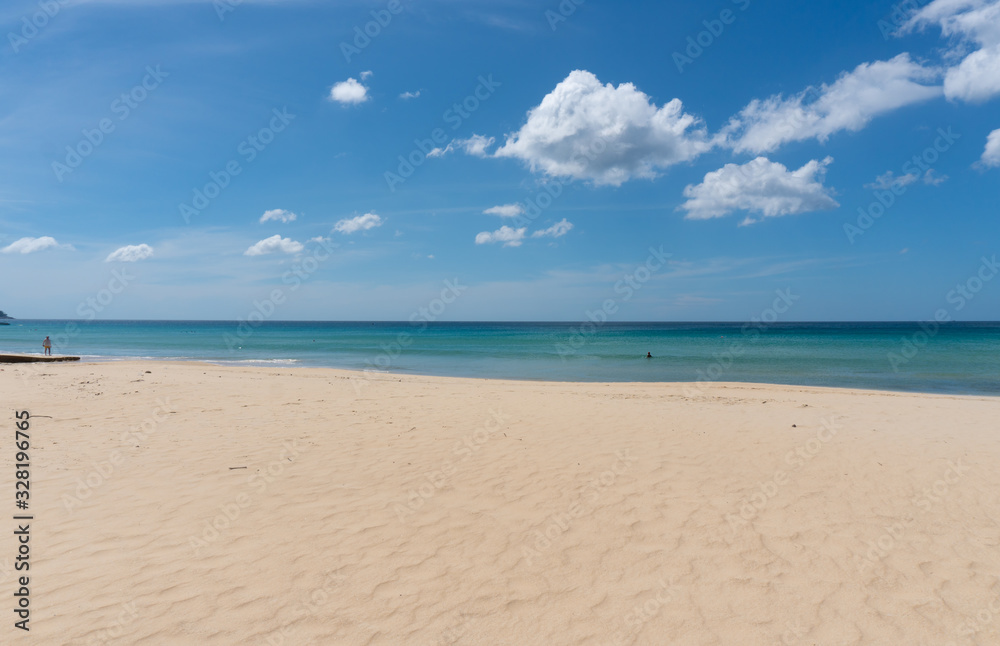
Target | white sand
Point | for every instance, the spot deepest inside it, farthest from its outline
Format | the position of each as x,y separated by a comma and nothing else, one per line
418,510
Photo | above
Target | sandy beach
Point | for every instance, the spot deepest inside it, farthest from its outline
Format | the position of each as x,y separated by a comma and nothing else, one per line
196,504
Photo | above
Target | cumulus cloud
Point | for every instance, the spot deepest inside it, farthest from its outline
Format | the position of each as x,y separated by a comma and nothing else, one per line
991,156
410,95
507,235
557,230
364,222
972,24
849,103
476,145
366,75
274,244
130,253
759,186
278,215
31,245
506,210
605,134
349,92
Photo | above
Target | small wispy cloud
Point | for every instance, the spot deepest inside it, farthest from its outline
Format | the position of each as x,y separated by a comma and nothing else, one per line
506,210
364,222
509,236
889,180
278,215
31,245
130,253
557,230
476,145
274,244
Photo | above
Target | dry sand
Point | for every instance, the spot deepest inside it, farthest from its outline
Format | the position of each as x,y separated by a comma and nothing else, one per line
417,510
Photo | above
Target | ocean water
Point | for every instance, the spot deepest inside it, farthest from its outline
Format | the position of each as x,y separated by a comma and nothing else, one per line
953,358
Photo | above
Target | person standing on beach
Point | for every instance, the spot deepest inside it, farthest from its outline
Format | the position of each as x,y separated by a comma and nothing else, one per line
47,345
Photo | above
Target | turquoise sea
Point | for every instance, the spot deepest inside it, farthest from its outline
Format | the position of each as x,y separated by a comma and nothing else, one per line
923,357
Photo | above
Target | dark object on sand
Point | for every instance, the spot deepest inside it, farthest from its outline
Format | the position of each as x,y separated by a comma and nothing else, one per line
33,358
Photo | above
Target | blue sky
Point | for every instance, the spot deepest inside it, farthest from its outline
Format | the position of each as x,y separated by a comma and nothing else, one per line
744,138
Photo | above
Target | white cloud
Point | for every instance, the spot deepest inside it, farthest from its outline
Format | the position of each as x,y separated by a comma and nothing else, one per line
991,155
971,23
608,135
931,178
349,92
359,223
850,103
557,230
272,245
759,186
31,245
319,239
476,145
410,95
506,210
366,75
889,180
977,78
278,215
130,253
510,237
